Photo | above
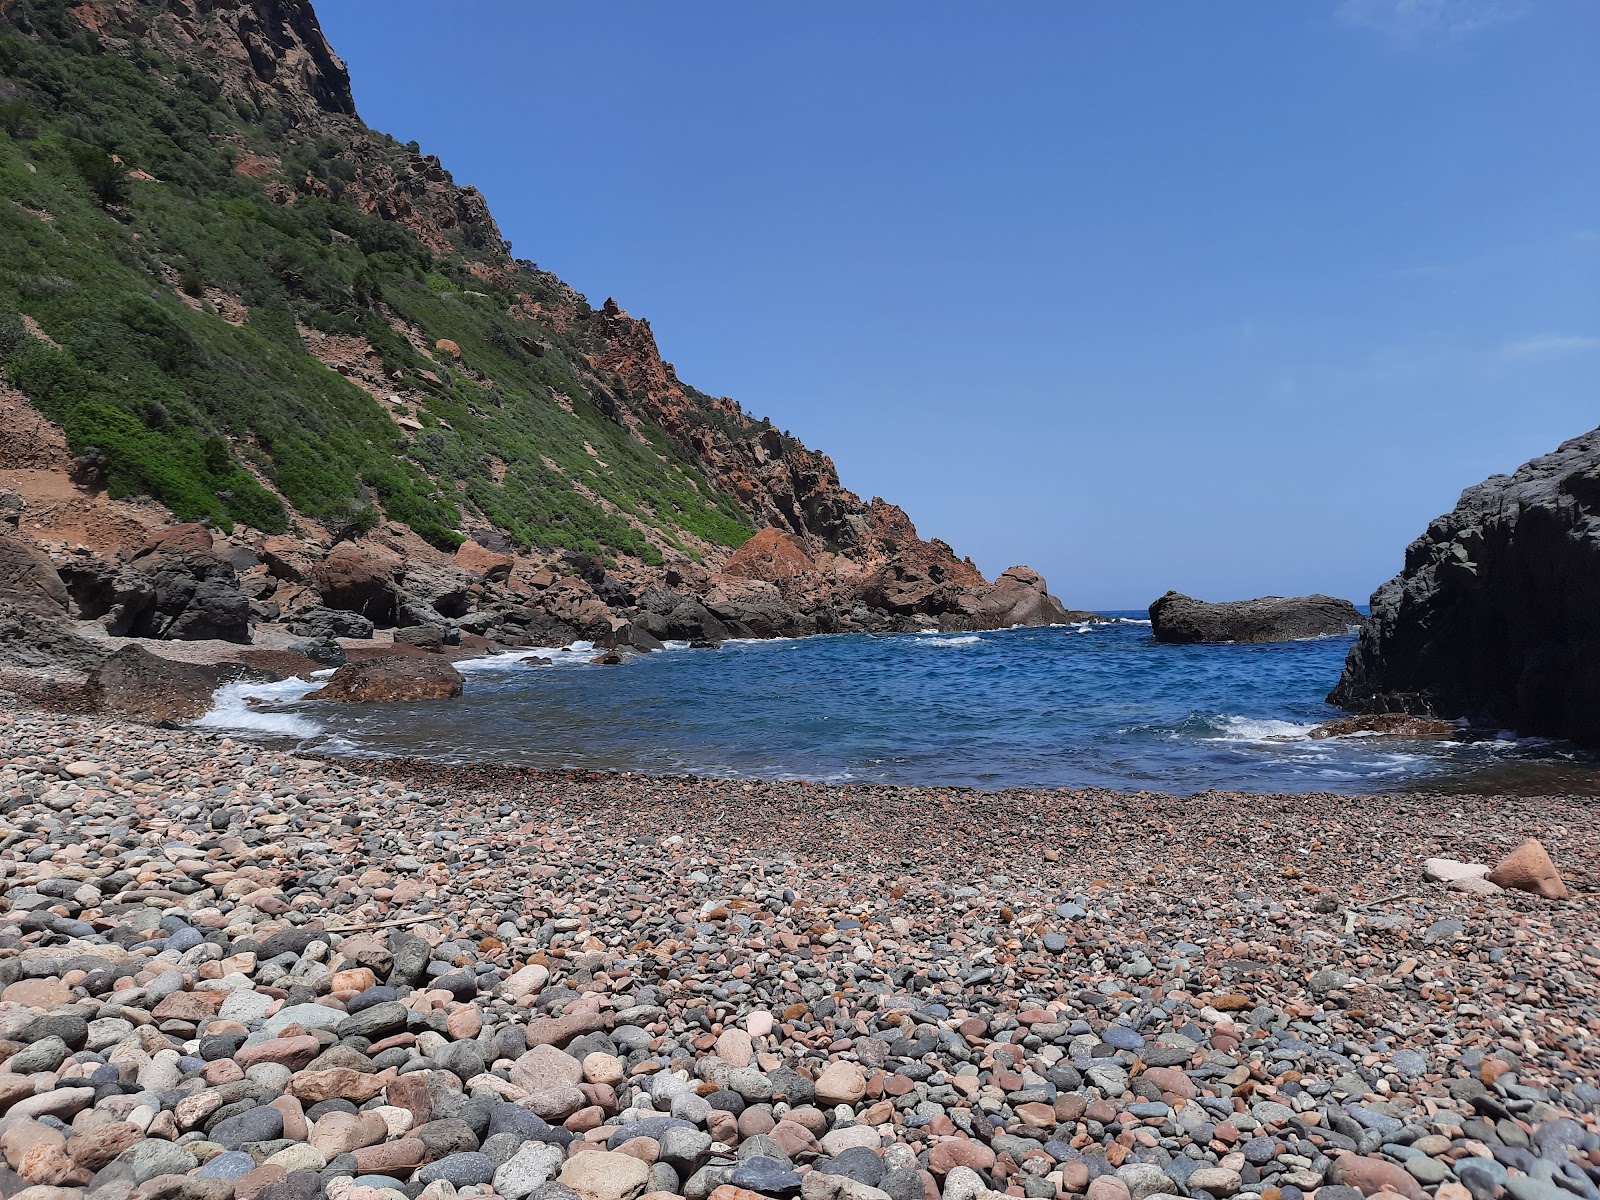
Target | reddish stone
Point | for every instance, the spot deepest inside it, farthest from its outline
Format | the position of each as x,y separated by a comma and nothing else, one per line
291,1052
1528,869
398,1158
189,1006
959,1152
1371,1175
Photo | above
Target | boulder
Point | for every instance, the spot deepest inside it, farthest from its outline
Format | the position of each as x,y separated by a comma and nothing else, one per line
571,602
287,558
1528,869
142,686
178,587
28,579
1020,597
484,563
1395,725
383,680
423,637
773,555
31,643
1183,619
322,624
1495,615
360,577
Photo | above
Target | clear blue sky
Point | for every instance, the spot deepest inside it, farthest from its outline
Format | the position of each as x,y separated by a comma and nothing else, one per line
1228,298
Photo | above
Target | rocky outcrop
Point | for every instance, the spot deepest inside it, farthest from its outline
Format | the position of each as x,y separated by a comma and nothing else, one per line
1394,725
1183,619
1020,597
323,624
361,578
28,579
391,680
178,587
1495,616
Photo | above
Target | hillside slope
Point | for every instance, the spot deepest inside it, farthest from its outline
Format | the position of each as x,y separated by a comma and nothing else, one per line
223,297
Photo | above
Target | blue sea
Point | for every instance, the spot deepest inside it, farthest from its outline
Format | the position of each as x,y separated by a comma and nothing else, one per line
1099,705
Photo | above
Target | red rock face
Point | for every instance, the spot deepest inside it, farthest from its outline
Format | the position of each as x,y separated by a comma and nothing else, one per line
772,555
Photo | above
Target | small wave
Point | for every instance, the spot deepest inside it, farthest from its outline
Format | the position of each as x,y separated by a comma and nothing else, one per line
525,658
970,639
232,707
1257,729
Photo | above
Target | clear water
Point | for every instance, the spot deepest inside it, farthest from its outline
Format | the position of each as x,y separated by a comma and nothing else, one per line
1080,706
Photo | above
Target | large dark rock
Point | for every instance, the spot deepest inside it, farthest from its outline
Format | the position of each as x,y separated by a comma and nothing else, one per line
141,686
178,587
1496,615
323,623
28,578
1179,618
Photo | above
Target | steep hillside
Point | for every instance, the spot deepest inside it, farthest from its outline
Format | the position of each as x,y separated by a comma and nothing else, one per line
225,296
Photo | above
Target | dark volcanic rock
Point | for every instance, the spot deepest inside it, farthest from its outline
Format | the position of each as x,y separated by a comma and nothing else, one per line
1179,618
1496,615
178,587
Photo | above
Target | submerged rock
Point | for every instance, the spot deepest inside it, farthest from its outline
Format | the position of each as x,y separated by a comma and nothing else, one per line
1183,619
1396,725
1496,615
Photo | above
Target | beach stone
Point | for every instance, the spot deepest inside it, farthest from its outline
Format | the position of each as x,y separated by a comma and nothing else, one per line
766,1175
841,1083
462,1169
605,1175
534,1164
148,1159
1219,1181
544,1067
261,1124
232,1164
1528,868
1143,1180
960,1152
1370,1175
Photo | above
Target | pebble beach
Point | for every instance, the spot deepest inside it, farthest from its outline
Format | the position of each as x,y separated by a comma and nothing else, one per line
229,971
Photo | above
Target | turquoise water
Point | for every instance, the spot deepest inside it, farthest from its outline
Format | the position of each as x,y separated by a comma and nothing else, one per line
1081,706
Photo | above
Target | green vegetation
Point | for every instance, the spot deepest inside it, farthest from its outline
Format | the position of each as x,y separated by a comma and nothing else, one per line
218,421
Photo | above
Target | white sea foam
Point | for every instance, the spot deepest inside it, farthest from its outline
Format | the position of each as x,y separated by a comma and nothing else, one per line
1256,729
969,639
237,706
526,659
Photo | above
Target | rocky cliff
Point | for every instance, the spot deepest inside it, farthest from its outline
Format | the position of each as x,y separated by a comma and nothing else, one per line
227,305
1496,614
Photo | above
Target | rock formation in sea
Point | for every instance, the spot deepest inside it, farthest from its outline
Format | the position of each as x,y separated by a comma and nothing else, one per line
1183,619
263,367
1496,615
